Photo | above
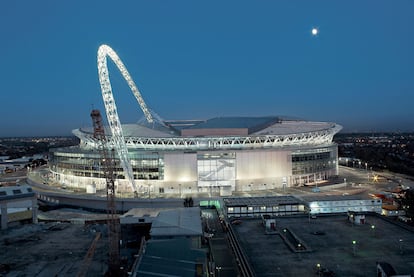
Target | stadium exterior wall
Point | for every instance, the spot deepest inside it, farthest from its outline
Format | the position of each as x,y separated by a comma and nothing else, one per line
184,173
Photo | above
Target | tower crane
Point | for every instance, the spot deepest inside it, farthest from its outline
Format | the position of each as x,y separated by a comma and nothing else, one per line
108,166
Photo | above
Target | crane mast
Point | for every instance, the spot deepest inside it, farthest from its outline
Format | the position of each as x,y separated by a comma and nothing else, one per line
108,166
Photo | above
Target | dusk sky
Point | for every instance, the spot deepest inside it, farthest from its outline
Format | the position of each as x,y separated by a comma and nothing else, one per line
201,59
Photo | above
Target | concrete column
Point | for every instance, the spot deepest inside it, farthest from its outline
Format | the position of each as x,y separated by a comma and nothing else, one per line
4,216
34,210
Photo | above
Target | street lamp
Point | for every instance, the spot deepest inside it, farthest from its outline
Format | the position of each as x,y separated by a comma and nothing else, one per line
373,229
354,247
218,268
318,267
401,245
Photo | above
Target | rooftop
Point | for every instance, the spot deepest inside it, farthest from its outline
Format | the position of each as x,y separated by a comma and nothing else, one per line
251,123
331,239
177,222
261,126
11,192
170,257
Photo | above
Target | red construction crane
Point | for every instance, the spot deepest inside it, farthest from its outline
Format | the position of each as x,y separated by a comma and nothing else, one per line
88,257
108,165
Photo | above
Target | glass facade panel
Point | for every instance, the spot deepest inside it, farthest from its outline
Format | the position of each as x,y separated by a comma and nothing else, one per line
313,165
146,166
216,169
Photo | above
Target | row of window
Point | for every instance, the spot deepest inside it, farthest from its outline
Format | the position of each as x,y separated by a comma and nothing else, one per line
311,157
211,166
264,209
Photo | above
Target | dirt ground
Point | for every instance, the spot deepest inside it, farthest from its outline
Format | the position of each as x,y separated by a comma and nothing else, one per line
51,249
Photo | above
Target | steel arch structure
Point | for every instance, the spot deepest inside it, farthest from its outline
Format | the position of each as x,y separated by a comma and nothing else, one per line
318,137
118,139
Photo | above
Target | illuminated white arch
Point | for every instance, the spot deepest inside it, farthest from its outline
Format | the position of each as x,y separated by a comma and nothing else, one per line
110,107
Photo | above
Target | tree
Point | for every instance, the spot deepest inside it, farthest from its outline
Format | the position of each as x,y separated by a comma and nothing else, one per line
407,202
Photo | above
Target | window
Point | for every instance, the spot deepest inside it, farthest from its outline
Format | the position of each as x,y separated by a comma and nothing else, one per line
161,190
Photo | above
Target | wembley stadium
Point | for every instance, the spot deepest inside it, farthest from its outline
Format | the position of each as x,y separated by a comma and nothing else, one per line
221,155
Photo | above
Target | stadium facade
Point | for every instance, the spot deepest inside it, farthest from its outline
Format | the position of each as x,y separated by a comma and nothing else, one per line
219,156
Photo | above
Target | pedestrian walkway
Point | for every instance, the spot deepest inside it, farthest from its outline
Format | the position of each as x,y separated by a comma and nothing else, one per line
222,261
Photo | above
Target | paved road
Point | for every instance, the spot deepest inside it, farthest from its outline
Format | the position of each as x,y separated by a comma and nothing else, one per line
358,181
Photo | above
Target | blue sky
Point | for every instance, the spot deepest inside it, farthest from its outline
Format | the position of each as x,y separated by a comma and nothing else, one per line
199,59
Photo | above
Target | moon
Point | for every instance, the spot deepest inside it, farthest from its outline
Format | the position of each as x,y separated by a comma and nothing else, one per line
315,31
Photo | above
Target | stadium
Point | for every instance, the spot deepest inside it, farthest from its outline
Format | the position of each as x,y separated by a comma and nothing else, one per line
220,156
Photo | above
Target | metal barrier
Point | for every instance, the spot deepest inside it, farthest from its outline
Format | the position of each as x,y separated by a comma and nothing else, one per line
242,261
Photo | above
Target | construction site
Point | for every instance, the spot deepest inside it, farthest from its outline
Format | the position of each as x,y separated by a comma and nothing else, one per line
195,241
66,243
54,232
53,249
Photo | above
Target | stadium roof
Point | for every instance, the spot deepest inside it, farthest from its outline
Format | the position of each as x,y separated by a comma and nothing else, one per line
236,122
264,125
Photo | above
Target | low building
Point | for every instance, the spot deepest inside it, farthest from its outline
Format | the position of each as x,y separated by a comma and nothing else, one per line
17,203
181,222
175,246
172,257
258,206
391,210
341,204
